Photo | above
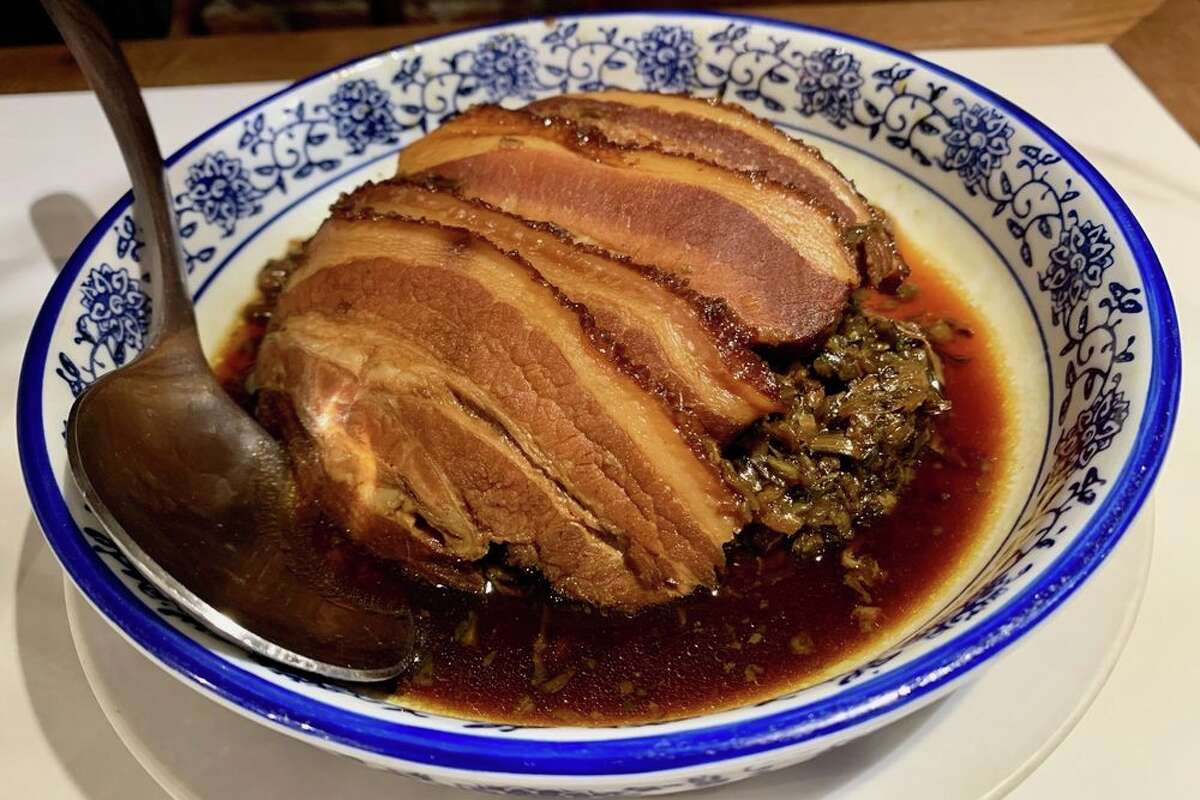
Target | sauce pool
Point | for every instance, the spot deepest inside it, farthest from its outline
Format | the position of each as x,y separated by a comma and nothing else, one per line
776,623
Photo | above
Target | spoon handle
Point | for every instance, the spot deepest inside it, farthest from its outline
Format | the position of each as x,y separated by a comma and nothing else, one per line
107,72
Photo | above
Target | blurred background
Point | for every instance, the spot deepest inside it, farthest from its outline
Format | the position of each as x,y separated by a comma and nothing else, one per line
181,42
151,19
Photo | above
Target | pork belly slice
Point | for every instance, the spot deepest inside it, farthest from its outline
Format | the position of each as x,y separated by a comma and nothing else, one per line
479,406
688,343
337,472
389,465
779,261
732,137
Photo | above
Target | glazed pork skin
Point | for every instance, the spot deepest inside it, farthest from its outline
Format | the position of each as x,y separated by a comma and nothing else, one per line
688,343
454,401
778,260
732,137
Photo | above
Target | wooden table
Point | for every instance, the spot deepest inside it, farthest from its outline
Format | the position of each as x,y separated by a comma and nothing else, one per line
1160,40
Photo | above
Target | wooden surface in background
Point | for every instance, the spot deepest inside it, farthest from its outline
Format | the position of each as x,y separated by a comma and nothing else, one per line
1164,51
1159,40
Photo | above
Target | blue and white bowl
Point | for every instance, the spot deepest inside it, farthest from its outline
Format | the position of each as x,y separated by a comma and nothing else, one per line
1030,231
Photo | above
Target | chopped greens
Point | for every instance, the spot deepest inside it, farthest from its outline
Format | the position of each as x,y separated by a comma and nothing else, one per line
860,415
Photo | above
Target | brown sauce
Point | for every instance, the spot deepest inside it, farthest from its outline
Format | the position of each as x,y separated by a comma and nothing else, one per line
776,623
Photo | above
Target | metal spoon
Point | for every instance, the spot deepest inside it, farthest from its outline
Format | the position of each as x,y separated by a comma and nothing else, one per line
188,485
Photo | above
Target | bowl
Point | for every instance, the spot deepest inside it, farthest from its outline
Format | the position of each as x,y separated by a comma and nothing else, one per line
1039,241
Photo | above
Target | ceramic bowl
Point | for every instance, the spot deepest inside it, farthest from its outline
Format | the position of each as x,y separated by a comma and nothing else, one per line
1024,224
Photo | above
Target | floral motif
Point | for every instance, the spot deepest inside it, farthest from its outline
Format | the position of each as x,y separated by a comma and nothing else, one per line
117,311
979,602
129,241
977,142
1077,266
220,189
1094,429
666,58
505,65
830,82
112,327
362,115
103,545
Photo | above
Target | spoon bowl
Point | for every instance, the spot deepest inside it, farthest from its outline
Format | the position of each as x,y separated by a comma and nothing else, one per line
193,490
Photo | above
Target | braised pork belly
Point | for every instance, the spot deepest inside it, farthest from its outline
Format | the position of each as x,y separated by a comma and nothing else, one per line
688,343
578,340
457,400
781,262
732,137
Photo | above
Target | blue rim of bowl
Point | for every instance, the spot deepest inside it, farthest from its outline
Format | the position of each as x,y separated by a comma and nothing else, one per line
855,705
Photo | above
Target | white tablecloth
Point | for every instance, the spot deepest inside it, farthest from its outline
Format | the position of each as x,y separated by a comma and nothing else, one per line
1140,739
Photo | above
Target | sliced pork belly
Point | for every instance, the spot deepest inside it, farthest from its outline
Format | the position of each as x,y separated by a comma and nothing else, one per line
689,344
459,401
732,137
778,260
333,418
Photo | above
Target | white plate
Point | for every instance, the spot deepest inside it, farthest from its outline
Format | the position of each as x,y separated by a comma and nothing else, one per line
198,750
